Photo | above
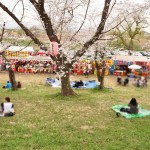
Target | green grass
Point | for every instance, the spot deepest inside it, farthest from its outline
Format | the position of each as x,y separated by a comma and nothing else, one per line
45,120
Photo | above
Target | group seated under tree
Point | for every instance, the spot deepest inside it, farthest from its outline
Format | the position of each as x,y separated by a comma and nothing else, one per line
122,81
141,81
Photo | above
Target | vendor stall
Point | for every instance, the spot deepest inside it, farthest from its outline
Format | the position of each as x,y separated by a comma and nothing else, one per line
121,67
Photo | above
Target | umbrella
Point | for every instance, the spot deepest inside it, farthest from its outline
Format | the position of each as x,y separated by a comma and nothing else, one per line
134,67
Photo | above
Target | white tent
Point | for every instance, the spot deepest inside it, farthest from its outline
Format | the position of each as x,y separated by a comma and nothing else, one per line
37,58
21,48
134,67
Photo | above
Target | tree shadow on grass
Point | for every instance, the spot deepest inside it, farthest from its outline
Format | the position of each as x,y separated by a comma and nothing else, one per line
58,96
105,90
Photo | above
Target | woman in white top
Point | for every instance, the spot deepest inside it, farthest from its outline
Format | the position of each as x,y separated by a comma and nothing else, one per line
7,108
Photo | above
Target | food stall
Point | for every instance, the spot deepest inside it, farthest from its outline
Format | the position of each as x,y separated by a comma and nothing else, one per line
121,67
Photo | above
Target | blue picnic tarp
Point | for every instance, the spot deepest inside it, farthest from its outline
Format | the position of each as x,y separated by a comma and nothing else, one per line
87,84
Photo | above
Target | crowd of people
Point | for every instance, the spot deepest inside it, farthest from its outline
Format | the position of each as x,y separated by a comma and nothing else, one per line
31,66
122,81
81,67
141,81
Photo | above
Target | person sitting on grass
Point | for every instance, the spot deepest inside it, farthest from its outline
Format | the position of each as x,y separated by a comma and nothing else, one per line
133,107
78,84
126,81
18,84
119,80
8,85
7,108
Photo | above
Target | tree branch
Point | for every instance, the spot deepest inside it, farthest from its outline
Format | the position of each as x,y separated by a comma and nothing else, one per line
82,22
2,34
23,10
100,28
62,19
26,30
46,20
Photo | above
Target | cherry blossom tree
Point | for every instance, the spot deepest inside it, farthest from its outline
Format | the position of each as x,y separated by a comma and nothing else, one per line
57,17
4,47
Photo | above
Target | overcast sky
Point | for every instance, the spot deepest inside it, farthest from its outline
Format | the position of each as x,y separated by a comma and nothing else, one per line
28,20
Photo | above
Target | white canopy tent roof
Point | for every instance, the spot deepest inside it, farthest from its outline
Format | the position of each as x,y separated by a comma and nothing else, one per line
134,66
37,58
131,58
21,48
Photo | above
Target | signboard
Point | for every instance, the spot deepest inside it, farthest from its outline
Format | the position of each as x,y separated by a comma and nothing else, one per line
121,62
16,54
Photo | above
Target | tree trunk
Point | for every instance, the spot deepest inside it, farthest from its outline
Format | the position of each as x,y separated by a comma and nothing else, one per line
12,79
100,75
98,72
66,89
131,44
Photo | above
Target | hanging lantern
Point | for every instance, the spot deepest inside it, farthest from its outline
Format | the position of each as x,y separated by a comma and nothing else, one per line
53,48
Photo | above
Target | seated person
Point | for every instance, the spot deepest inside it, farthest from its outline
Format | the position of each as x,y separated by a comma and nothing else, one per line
119,80
57,82
86,72
126,81
7,108
145,81
133,107
138,82
8,85
18,84
78,84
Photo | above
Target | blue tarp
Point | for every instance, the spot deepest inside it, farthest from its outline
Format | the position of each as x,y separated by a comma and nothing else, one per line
87,84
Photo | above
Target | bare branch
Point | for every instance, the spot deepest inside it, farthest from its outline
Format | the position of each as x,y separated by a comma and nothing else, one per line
62,19
22,10
15,5
114,26
3,31
26,46
82,22
100,28
112,8
26,30
46,20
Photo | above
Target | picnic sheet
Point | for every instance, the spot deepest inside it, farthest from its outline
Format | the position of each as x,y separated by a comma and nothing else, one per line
87,84
142,112
56,83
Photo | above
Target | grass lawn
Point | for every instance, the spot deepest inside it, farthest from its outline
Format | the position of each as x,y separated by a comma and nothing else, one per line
45,120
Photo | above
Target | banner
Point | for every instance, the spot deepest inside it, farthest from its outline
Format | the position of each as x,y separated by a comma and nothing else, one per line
53,48
16,54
